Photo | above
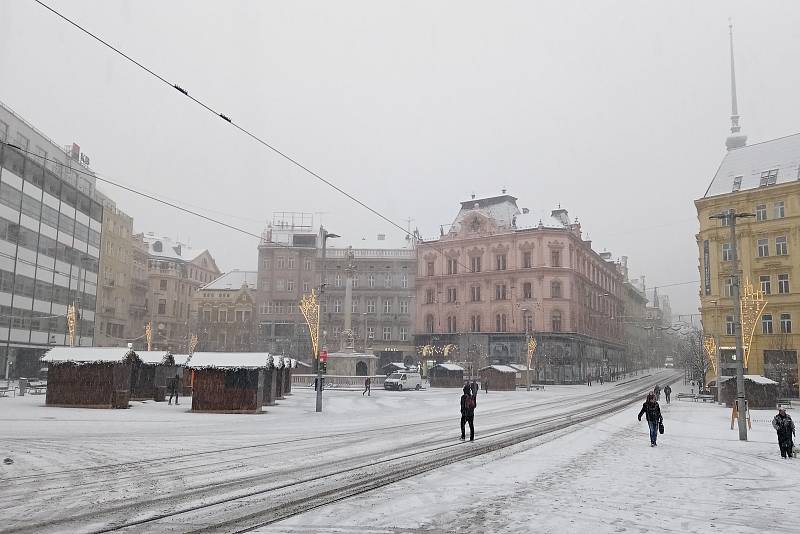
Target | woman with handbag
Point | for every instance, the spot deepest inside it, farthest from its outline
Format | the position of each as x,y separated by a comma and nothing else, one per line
652,412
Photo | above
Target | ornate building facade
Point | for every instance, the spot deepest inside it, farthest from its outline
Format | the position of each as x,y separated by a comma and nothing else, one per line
501,273
225,313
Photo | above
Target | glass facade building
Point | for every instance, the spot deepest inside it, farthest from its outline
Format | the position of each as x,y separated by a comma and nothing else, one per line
50,229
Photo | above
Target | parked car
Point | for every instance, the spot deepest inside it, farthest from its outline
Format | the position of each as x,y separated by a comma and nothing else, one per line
403,380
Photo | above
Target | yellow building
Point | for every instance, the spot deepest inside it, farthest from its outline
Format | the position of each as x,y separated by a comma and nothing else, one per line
762,179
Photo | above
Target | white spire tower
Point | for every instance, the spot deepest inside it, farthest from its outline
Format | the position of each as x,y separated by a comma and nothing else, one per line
736,139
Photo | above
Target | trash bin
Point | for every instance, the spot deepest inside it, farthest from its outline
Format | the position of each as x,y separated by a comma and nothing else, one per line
22,383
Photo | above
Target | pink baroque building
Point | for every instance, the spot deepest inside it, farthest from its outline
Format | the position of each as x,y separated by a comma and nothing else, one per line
501,274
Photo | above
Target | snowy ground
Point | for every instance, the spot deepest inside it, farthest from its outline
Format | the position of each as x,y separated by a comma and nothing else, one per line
80,470
602,478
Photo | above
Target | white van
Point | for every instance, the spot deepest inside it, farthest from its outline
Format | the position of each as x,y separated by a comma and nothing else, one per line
403,380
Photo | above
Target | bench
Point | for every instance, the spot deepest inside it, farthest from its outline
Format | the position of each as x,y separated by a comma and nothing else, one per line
4,390
37,387
786,403
695,397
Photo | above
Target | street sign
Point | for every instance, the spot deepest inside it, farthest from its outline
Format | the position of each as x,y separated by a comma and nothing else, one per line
323,355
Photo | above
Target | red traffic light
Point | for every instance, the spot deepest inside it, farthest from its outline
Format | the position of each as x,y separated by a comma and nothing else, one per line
323,355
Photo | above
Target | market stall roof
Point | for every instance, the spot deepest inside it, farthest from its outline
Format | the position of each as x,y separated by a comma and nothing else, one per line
182,359
229,360
501,368
155,357
86,354
449,366
758,379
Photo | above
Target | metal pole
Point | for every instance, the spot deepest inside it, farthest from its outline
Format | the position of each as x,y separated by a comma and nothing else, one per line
321,293
80,299
737,325
527,355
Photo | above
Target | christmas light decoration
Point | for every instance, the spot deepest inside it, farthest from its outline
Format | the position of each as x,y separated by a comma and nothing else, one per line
711,351
752,306
71,322
309,307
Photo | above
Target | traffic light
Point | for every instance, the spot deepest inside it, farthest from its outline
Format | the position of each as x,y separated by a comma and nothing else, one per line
324,367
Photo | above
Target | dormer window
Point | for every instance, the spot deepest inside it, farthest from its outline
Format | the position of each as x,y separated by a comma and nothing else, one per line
769,177
737,183
157,247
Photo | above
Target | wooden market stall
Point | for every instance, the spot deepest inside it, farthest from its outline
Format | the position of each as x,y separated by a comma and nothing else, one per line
446,375
89,377
498,378
228,382
150,377
760,391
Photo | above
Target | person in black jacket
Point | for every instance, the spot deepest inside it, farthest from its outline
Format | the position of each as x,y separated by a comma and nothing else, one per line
667,392
173,389
784,425
653,414
468,403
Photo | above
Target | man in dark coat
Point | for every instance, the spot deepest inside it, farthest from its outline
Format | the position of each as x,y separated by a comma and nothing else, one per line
468,403
657,392
474,387
784,425
173,389
667,392
652,412
367,387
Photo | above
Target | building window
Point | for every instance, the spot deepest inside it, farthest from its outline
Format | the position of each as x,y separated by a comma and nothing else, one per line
780,209
338,280
370,305
355,280
387,280
387,333
526,260
761,212
781,248
222,316
370,332
527,290
529,322
429,296
729,287
555,289
337,305
475,293
475,323
500,262
404,306
729,326
429,323
555,258
387,306
769,177
726,221
403,333
267,264
763,248
305,286
452,266
404,281
290,262
307,264
737,183
727,252
371,280
475,264
162,285
429,268
354,305
556,321
451,323
500,292
207,316
783,283
280,262
162,306
766,323
500,322
766,284
786,323
290,285
280,284
451,295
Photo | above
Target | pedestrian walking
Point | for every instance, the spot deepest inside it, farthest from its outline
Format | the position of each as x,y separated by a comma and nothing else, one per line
657,392
588,380
601,379
667,392
474,387
655,422
784,425
173,389
468,403
367,388
486,386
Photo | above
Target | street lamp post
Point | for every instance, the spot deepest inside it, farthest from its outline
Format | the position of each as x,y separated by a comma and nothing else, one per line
527,350
325,236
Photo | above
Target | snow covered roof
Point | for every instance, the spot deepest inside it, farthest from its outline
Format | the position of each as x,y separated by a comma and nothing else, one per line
234,280
228,360
86,354
749,162
154,357
401,365
181,359
505,214
501,368
358,355
164,247
518,367
758,379
450,366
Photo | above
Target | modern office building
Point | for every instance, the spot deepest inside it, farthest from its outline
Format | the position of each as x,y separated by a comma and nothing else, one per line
50,228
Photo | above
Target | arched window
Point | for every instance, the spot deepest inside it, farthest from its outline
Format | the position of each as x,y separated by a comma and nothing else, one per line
555,289
556,320
429,323
361,369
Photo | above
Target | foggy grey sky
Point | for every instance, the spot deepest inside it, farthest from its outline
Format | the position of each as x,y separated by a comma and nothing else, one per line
617,110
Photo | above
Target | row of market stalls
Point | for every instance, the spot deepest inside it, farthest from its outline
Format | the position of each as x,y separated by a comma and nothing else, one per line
497,377
93,377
